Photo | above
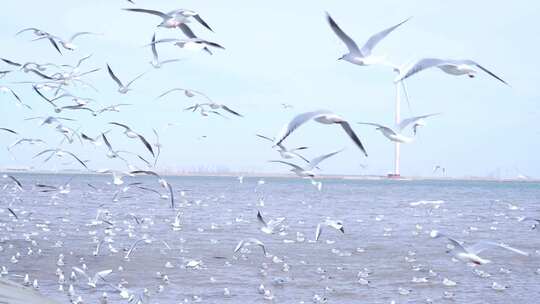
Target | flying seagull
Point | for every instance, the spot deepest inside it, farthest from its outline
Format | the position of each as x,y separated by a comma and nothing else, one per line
450,66
5,89
192,43
92,281
66,43
60,153
361,56
320,116
122,89
308,170
470,253
284,152
156,63
394,134
268,227
173,19
249,242
132,134
338,225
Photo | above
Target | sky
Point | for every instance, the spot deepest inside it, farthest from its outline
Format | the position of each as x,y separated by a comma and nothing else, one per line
285,52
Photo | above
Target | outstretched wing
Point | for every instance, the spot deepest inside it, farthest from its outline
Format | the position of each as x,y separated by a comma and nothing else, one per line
296,122
351,45
373,40
411,120
114,76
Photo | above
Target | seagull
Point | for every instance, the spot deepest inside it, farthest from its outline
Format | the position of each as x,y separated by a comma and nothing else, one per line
40,33
60,153
394,134
271,225
156,63
31,141
122,89
161,181
158,146
66,43
174,19
437,167
133,246
531,219
320,116
188,92
338,225
131,134
217,106
49,120
192,43
450,66
92,281
470,253
249,242
5,89
284,152
308,170
361,56
111,108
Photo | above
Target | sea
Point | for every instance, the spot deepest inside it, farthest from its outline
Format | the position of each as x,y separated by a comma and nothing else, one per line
186,254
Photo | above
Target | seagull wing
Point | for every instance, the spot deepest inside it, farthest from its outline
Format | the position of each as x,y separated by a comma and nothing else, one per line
147,11
146,144
351,45
201,21
318,232
348,129
471,62
153,46
411,120
224,107
260,219
186,30
239,246
9,130
483,245
133,80
421,65
373,40
114,76
288,163
80,34
265,137
296,122
102,274
317,160
76,158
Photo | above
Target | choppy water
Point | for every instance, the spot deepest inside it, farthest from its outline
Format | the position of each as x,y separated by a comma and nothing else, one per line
383,233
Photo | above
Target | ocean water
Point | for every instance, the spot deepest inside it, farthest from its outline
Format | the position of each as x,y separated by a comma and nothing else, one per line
385,254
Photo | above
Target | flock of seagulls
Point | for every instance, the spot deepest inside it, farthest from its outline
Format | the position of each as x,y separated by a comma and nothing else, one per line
55,86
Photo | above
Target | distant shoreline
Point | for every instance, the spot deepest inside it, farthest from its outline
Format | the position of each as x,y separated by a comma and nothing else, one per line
288,176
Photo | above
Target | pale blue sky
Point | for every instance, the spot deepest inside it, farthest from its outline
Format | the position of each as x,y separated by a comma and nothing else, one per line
284,52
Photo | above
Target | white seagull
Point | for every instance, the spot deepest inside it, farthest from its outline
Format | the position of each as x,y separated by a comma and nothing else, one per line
470,253
320,116
284,152
268,227
122,89
338,225
192,43
450,66
249,242
394,134
173,19
361,56
66,43
308,170
92,281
